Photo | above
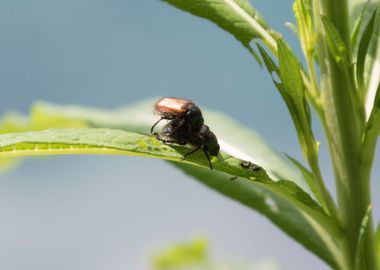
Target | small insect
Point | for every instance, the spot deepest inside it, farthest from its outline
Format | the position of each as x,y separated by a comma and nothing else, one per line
182,110
249,165
184,127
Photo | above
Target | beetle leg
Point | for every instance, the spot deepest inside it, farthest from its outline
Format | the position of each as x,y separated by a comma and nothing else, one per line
208,158
195,150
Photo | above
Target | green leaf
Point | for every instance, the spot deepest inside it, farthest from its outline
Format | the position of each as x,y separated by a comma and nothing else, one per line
335,42
112,141
363,50
363,18
359,256
292,89
293,93
269,63
291,77
309,178
299,223
243,142
237,17
303,12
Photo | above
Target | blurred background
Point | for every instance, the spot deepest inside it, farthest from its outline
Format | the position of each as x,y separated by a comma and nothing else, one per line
109,212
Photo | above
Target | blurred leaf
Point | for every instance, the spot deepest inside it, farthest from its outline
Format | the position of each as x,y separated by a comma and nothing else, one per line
378,241
38,120
182,255
356,8
7,164
359,262
363,50
335,42
371,69
312,232
362,19
304,15
237,17
193,255
373,123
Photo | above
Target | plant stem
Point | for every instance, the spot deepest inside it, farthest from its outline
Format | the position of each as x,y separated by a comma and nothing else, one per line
328,202
345,131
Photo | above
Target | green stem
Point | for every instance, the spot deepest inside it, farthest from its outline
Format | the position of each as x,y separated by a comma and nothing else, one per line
344,125
307,39
328,202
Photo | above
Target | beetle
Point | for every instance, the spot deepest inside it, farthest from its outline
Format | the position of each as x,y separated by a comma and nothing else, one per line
183,110
186,127
205,140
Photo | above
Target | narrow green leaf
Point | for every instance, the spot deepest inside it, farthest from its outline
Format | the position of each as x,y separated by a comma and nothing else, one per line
372,64
113,141
290,74
275,74
359,262
335,42
357,29
268,61
309,178
237,17
363,50
243,142
297,223
274,195
305,20
293,92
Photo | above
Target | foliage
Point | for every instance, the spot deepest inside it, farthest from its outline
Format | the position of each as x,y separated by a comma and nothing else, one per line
340,81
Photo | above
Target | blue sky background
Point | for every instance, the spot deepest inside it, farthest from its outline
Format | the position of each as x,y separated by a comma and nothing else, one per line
94,212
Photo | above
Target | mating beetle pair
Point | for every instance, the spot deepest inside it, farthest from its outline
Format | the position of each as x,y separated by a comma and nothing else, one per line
186,126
